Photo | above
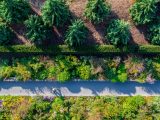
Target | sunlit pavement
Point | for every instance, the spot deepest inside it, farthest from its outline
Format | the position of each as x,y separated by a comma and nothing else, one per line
78,88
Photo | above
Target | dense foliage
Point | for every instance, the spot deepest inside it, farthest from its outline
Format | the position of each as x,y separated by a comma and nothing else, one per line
37,32
144,11
55,13
5,34
154,33
14,11
76,34
65,68
80,108
118,33
97,10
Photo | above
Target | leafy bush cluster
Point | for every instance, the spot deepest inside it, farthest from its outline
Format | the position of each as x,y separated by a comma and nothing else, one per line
143,12
77,34
14,11
5,34
154,32
146,12
55,13
97,10
65,68
118,33
37,32
60,68
71,108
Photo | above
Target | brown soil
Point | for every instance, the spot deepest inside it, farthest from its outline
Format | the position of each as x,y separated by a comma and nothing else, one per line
120,10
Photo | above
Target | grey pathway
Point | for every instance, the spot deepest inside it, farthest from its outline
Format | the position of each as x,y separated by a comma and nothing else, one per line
79,88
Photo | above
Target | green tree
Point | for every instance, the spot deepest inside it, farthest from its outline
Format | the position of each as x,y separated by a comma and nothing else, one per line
55,13
118,33
97,10
143,12
14,11
5,34
37,32
154,32
76,34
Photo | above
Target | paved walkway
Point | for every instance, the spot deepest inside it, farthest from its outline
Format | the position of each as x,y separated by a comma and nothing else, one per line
81,88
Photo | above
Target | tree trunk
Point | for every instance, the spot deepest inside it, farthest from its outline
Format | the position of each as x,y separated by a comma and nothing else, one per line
56,31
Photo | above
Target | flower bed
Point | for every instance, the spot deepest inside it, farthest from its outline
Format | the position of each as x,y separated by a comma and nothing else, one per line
66,68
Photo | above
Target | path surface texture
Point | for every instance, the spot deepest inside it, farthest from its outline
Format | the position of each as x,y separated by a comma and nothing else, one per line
79,88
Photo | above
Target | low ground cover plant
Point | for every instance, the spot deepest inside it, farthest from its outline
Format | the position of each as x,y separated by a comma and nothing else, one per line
30,108
97,11
66,68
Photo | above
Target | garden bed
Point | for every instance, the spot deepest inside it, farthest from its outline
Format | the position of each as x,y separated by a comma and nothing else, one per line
91,108
66,68
97,32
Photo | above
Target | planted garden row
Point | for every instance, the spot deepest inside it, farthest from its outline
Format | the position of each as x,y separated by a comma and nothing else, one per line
55,13
66,68
77,108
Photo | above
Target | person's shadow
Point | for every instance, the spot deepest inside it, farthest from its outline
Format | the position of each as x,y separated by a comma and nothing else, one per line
57,92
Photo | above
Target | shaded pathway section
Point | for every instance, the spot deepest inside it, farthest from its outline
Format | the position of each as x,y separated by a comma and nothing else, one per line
79,88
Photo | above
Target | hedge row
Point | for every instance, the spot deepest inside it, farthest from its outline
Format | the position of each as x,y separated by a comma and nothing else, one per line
88,50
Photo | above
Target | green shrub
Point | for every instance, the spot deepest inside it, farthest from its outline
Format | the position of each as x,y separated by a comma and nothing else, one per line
122,74
5,34
64,76
131,106
154,33
22,73
118,33
97,10
144,11
55,13
155,105
38,110
84,72
76,34
6,72
14,11
37,32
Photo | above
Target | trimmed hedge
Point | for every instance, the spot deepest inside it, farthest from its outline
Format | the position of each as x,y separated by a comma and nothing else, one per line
88,50
149,49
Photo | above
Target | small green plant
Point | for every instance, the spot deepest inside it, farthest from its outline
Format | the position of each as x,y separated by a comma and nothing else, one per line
131,106
118,33
144,11
5,34
64,76
154,33
76,34
14,11
84,72
55,13
37,32
97,11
